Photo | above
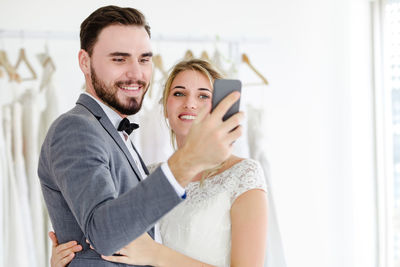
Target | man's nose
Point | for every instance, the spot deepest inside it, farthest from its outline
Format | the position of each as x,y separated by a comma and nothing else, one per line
134,71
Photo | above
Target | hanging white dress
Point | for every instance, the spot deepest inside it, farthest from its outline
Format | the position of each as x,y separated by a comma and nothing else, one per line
200,227
3,171
47,104
254,93
152,139
31,115
16,253
3,186
21,178
256,126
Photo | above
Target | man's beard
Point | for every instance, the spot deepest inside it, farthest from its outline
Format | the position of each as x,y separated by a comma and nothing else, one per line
109,95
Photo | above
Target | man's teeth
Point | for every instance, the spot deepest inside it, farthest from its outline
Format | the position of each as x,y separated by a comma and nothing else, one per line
132,88
188,117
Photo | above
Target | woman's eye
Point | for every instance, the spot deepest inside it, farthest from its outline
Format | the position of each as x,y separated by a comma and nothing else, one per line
204,96
178,94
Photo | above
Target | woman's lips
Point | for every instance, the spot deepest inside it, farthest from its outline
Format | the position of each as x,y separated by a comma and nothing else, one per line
187,117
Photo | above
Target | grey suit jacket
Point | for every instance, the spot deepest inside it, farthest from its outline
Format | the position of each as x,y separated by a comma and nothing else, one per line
92,187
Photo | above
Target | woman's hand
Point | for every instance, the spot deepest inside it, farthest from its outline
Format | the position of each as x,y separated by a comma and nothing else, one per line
62,254
141,251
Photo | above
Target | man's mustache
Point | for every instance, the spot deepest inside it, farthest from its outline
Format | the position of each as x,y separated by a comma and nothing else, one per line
129,82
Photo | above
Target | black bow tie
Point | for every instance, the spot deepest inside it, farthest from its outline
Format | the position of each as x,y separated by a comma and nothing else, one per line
126,126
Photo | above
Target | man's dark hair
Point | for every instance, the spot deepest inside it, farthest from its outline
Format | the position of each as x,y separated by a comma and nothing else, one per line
106,16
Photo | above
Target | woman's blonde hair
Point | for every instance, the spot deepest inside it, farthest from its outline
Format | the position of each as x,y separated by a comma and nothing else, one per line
202,66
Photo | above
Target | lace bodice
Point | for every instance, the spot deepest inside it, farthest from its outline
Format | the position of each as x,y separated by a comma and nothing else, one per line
200,227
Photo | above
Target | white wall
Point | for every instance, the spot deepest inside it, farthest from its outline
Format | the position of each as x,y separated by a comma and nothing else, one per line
318,104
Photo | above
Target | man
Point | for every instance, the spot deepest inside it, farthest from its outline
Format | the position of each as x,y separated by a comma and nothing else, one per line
91,175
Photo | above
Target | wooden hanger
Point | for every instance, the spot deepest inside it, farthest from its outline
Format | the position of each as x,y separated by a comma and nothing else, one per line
46,59
188,55
204,56
47,62
246,60
11,71
22,58
217,60
158,64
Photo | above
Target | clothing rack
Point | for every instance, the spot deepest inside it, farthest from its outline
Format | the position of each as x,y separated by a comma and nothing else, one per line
55,35
233,43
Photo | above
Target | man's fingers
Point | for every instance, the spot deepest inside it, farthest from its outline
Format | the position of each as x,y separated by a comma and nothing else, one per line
223,106
53,238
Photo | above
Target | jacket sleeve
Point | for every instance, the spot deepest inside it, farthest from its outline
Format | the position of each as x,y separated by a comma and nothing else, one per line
81,168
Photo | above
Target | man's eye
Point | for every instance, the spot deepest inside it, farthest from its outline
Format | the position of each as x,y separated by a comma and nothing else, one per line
118,59
145,60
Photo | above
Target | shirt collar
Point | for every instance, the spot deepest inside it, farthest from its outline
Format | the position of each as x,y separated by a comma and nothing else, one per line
113,116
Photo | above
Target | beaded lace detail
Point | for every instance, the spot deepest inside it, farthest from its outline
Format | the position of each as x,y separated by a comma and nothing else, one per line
200,226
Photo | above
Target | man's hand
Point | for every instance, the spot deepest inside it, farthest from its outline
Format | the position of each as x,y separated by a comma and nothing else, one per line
208,143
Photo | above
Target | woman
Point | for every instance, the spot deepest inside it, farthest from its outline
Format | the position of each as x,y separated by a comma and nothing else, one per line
223,221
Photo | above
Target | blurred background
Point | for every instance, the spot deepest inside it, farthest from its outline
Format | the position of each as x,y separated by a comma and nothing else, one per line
323,74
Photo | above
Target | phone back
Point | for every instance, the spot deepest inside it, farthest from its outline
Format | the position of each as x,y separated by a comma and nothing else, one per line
222,88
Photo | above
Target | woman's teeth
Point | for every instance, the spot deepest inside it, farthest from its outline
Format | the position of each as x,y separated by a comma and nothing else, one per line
188,117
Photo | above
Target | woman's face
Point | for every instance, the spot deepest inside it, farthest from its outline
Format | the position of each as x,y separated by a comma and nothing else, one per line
190,91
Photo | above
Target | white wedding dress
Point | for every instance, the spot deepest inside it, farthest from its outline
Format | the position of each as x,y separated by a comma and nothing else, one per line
200,227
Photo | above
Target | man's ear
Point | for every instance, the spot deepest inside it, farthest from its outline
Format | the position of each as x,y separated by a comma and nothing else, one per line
84,62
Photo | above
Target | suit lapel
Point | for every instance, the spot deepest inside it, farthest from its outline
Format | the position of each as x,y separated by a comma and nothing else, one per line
146,171
98,112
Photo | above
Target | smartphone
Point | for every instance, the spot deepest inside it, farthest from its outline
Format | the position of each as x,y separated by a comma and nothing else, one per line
222,88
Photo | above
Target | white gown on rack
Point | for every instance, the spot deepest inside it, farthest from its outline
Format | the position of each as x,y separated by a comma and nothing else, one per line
16,252
3,186
155,145
46,102
275,256
21,179
3,173
253,102
152,139
200,227
31,101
